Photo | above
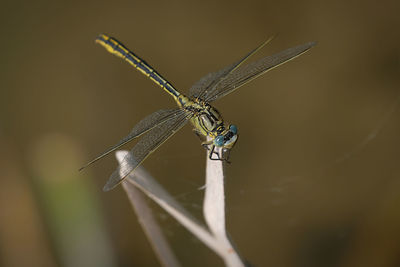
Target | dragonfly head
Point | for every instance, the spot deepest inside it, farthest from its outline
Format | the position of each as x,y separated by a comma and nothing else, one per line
227,138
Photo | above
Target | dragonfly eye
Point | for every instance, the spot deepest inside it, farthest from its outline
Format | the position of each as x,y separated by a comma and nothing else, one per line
233,129
230,139
219,140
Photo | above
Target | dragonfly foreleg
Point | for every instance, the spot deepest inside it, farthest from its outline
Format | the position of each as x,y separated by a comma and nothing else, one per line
210,156
205,144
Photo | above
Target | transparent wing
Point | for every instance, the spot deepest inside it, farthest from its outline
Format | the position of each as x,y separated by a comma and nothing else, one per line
146,124
245,74
146,145
205,82
211,80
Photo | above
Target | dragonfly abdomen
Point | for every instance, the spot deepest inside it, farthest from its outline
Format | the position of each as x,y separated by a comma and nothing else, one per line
117,48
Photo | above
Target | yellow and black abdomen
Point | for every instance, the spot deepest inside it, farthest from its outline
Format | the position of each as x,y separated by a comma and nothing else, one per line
115,47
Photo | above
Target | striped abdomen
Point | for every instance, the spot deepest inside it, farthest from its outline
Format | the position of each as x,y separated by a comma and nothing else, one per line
115,47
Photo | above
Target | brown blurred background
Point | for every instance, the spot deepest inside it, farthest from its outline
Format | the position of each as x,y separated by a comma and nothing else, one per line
315,173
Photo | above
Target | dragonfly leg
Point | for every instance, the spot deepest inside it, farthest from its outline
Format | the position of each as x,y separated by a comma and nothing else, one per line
214,152
206,144
228,153
211,153
206,147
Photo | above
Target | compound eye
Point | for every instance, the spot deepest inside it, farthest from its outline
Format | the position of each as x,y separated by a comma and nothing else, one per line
219,140
233,129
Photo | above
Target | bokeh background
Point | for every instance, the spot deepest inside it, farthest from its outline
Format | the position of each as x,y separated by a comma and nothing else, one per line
315,174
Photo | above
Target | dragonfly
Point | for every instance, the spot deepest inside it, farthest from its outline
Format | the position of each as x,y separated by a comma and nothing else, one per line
207,122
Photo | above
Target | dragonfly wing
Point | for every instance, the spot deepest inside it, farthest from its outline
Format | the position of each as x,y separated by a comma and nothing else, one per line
205,82
154,119
146,145
208,83
146,124
253,70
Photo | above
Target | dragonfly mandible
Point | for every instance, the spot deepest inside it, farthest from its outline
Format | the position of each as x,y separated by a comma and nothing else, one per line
157,127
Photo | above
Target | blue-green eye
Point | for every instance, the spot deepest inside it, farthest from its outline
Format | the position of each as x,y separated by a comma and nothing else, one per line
219,140
233,129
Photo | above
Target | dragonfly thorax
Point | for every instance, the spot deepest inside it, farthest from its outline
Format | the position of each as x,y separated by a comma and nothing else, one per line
207,121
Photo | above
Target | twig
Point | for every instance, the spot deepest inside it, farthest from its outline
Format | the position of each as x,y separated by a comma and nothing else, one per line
215,217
